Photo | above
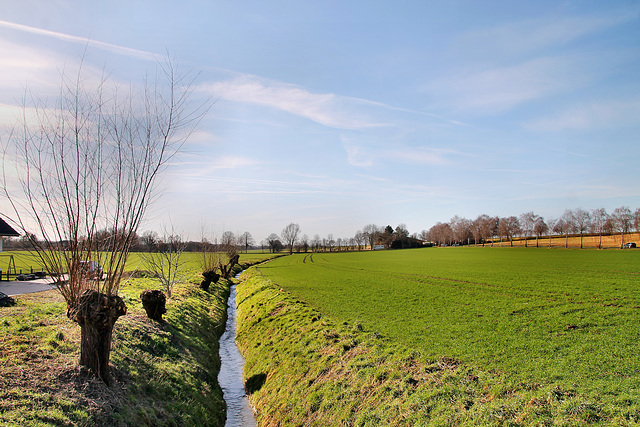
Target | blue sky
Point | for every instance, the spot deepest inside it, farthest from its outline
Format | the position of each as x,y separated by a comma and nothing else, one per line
337,114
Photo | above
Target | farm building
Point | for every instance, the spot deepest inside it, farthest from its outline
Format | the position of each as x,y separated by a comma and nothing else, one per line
6,231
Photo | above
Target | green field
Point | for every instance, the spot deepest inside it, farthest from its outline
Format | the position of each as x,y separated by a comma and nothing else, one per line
25,261
537,316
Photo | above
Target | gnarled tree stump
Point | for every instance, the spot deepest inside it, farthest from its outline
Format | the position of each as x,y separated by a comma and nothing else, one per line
154,303
96,313
209,278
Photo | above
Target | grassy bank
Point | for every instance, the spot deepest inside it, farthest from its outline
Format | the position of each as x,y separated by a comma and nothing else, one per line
404,343
164,373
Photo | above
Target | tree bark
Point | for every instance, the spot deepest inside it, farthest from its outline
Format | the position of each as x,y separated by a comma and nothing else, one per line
209,278
96,313
154,303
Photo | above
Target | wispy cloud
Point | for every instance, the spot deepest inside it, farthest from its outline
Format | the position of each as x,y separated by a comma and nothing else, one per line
23,62
122,50
356,155
202,167
327,109
519,62
594,115
9,114
498,89
363,153
424,155
523,37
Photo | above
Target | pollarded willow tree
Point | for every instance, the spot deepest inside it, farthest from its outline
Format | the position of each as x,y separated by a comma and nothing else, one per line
86,162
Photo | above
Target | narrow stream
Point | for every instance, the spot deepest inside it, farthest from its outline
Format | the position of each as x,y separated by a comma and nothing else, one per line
239,412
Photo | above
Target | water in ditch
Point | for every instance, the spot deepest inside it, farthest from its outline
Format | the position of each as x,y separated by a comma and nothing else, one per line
239,412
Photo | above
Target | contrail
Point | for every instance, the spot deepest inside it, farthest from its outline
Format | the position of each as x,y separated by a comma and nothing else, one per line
81,40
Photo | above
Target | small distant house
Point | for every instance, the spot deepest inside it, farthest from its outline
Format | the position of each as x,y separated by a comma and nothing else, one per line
6,231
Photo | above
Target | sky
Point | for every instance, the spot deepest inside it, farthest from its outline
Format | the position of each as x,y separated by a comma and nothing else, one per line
338,114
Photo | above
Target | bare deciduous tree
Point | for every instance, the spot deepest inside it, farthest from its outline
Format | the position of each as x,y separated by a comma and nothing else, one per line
483,227
359,239
509,227
441,233
622,221
274,242
86,162
150,240
581,221
599,219
568,225
561,226
402,235
303,243
540,228
290,235
371,232
316,242
527,223
164,262
246,240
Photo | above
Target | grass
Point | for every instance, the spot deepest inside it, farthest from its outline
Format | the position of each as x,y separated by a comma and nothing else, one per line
26,260
165,373
550,335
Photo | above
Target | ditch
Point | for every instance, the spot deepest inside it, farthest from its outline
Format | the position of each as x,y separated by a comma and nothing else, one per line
239,412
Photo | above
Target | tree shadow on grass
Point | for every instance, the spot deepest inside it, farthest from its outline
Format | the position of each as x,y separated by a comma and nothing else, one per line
255,383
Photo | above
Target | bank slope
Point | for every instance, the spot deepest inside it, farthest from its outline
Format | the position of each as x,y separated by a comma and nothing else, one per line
304,369
164,373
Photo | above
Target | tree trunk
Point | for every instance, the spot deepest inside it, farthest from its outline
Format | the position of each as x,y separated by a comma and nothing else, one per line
209,278
96,313
154,303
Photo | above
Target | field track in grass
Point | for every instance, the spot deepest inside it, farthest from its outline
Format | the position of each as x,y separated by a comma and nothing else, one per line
565,317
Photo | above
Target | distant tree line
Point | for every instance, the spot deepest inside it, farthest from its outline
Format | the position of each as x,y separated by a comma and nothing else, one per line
463,231
457,231
369,237
529,225
151,241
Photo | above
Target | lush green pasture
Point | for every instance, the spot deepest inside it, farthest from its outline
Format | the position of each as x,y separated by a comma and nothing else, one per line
536,316
27,260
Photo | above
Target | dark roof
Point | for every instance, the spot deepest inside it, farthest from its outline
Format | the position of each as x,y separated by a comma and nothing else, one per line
6,230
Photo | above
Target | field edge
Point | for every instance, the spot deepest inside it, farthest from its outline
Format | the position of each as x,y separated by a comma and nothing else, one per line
304,369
